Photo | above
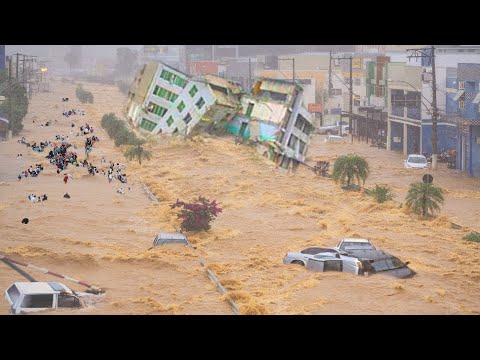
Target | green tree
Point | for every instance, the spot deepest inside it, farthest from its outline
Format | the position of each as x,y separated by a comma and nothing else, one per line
349,168
138,152
15,107
424,198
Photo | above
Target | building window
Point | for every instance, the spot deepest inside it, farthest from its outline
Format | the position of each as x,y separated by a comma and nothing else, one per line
292,143
181,106
187,118
170,121
301,148
461,85
156,109
200,103
461,104
175,131
164,93
336,92
173,78
166,75
193,91
249,109
147,125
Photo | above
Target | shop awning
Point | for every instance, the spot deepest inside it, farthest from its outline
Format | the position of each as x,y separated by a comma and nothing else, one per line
459,95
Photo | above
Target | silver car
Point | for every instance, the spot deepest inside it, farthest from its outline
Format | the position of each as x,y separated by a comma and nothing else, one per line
302,256
326,262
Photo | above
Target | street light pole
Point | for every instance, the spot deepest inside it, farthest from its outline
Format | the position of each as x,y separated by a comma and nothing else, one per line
420,53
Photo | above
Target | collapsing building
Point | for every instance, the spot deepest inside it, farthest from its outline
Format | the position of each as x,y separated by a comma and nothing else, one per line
165,100
273,114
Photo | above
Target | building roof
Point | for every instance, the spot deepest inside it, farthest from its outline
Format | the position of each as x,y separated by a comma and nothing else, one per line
233,89
40,287
277,85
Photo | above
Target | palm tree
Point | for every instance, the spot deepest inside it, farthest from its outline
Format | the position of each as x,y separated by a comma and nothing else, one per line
422,198
350,167
138,152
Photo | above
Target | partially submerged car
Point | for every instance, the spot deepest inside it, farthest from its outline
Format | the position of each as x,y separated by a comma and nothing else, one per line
349,244
415,161
334,138
328,262
301,257
25,297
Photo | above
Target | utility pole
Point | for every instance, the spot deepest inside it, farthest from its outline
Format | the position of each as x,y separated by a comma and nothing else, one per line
330,76
249,73
351,101
293,67
16,64
423,53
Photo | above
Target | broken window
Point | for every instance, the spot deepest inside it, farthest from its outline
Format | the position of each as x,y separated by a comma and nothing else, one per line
187,118
156,109
175,131
147,124
170,121
250,109
200,103
219,88
38,301
274,95
68,301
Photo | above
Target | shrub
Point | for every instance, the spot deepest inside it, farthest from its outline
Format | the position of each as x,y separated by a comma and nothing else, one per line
197,215
472,236
321,168
348,168
83,95
424,198
380,193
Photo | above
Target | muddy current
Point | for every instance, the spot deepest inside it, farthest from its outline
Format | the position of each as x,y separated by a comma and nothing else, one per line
103,237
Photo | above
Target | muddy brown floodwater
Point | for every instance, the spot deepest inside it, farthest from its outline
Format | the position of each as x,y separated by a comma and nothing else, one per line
102,237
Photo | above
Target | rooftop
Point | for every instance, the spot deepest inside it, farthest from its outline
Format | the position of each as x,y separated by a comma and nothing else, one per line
40,287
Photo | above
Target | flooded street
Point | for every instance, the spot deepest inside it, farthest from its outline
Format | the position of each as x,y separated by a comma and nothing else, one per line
103,238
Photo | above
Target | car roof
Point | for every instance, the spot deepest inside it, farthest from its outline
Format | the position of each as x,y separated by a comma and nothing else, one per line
356,240
41,287
416,155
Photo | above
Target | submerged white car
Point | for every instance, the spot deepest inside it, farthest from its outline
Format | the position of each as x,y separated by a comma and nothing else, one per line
334,138
25,297
415,161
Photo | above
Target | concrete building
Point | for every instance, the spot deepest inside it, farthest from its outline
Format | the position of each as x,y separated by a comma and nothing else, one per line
2,57
273,114
468,118
404,108
165,100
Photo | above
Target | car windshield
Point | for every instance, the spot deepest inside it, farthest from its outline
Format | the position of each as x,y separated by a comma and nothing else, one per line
388,264
417,160
357,246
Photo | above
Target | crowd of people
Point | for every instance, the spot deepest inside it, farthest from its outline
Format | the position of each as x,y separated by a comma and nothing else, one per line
38,198
60,157
32,172
68,113
89,144
86,129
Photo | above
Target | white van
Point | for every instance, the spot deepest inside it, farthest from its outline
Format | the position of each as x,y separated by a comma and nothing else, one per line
25,297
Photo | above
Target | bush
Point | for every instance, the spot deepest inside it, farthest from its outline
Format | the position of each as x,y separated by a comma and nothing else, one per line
84,96
348,168
198,215
472,236
380,193
321,168
424,198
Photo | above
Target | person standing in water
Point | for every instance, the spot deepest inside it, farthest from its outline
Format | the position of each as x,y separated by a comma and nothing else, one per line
65,179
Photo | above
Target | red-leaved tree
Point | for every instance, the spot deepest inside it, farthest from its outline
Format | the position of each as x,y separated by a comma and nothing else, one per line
197,215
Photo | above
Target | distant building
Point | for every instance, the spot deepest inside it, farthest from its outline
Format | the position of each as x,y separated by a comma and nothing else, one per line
2,57
165,100
273,114
3,129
